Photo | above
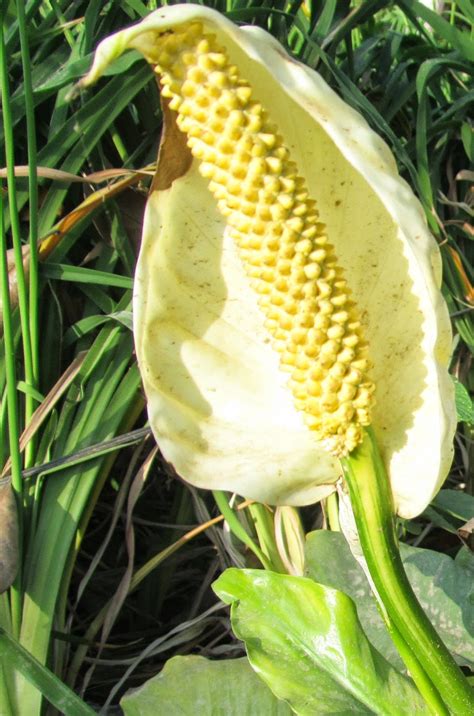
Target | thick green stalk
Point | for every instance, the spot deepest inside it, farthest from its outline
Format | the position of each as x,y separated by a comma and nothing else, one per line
425,686
371,500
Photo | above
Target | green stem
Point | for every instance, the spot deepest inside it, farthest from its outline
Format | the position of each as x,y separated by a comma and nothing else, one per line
371,500
237,529
332,512
265,528
33,218
24,312
12,412
425,686
14,216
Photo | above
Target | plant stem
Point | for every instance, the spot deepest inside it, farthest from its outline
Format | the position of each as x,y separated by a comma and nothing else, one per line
425,686
332,512
15,223
33,219
12,412
237,529
265,528
371,500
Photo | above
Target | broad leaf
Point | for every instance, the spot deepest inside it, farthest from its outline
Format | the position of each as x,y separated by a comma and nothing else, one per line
190,685
464,404
330,561
445,589
455,503
306,642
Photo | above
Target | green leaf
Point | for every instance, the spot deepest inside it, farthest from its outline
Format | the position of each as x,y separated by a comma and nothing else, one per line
464,404
460,40
236,528
72,71
190,685
123,317
325,21
330,561
456,503
85,325
444,588
99,401
29,390
465,559
467,137
57,693
78,274
438,520
306,642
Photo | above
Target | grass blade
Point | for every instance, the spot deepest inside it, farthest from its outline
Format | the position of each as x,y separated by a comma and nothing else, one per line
42,679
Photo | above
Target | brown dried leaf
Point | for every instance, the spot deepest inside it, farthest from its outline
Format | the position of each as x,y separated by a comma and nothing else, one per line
85,207
468,287
43,410
467,530
22,170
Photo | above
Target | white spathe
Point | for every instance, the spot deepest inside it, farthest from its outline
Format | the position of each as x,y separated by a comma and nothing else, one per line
217,399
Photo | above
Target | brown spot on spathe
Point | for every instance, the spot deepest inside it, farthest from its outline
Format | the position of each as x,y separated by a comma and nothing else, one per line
174,155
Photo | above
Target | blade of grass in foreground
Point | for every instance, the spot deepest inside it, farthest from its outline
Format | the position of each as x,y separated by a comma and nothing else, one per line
41,678
109,388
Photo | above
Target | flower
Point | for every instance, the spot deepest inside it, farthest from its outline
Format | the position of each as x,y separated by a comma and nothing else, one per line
287,290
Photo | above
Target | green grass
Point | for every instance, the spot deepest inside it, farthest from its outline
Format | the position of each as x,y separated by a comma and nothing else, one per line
407,69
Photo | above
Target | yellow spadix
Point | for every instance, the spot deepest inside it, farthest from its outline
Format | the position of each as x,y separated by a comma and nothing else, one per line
287,290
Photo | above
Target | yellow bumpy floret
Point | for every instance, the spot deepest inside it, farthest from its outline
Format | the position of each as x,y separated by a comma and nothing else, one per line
275,224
